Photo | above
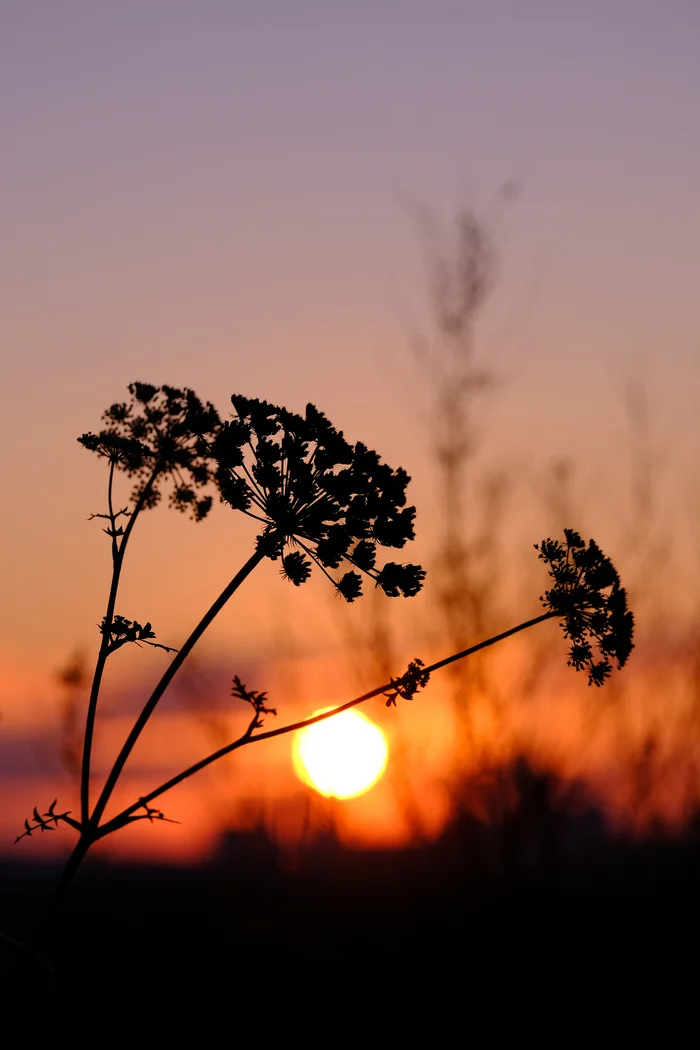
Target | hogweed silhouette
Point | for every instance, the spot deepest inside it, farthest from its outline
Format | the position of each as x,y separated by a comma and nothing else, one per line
593,606
320,501
312,490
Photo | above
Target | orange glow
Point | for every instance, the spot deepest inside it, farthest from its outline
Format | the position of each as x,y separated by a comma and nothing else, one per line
341,757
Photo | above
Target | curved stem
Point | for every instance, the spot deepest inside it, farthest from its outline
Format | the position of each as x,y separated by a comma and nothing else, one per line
121,819
165,681
118,551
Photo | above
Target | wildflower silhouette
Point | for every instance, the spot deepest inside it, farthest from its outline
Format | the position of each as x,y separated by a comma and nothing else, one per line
415,678
160,433
319,501
593,606
120,631
337,502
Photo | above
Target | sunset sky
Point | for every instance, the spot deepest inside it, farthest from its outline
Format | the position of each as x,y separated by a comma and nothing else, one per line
223,195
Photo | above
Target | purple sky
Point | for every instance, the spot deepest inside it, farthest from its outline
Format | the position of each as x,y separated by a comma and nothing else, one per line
213,194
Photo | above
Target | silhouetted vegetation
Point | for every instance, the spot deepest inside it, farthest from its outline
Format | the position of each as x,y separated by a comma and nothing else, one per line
319,501
537,867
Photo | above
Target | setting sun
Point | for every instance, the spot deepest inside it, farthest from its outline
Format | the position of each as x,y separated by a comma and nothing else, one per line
341,757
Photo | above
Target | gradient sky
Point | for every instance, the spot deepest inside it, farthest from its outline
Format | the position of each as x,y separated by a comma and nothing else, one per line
217,194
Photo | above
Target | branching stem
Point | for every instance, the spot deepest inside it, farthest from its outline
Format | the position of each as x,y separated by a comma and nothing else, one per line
163,684
118,552
122,818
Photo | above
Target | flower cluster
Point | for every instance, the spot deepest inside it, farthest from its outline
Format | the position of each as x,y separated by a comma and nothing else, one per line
415,678
593,606
310,489
160,432
121,631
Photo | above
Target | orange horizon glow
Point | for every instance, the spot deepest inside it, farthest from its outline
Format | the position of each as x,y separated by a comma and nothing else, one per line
411,802
234,202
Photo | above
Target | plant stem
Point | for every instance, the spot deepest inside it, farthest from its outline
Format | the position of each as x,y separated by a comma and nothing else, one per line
122,818
118,552
165,681
67,875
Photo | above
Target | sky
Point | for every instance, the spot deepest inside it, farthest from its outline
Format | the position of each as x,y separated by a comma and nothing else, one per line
223,195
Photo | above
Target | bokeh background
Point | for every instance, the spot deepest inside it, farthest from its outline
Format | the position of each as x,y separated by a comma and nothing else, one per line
284,200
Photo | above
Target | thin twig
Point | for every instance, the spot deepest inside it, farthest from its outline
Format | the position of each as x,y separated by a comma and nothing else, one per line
165,681
118,552
122,818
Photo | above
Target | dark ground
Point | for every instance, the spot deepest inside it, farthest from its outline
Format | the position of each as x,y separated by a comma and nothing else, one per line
536,885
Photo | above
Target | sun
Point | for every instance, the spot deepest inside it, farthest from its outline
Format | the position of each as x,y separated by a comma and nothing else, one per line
342,756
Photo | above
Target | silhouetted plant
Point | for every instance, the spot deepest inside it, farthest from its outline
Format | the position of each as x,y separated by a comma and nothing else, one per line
593,606
160,433
120,631
48,821
415,678
319,500
301,479
73,681
461,377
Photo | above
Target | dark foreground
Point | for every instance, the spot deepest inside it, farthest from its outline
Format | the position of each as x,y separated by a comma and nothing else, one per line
244,931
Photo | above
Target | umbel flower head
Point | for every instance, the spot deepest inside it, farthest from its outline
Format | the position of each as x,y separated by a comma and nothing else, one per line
593,606
160,432
311,490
